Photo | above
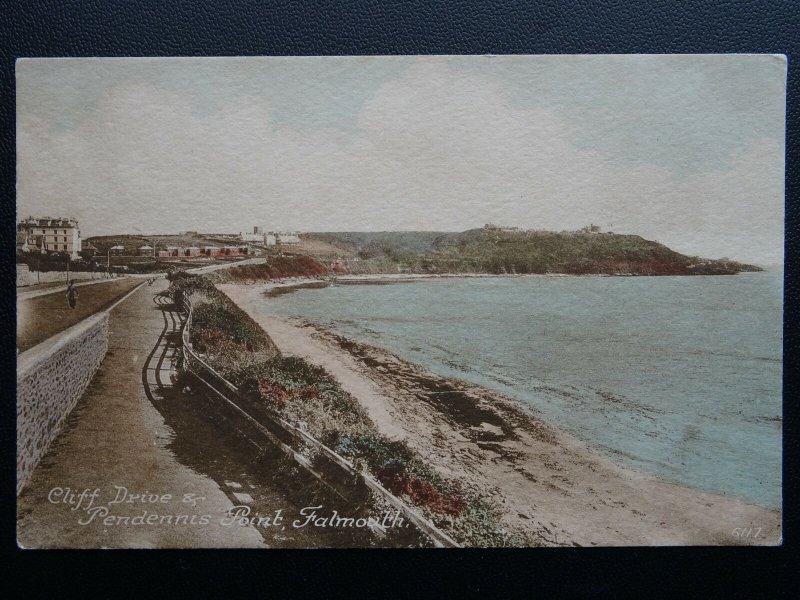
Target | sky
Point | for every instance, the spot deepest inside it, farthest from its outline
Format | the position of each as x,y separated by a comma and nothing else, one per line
686,150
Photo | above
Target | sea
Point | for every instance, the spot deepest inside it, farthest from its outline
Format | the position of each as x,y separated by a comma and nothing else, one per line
679,377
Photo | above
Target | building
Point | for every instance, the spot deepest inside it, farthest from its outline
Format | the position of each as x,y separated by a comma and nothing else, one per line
501,228
256,237
287,237
225,251
269,238
50,236
234,250
88,250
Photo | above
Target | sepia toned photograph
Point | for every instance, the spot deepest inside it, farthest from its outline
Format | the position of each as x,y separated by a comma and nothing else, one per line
400,301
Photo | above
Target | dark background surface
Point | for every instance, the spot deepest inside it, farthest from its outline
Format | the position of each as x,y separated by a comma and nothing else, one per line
37,28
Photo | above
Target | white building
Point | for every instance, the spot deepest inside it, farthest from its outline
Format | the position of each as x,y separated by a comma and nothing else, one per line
50,236
257,238
287,237
269,238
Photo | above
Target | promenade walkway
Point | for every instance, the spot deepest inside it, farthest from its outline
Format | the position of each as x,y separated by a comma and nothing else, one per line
134,437
117,442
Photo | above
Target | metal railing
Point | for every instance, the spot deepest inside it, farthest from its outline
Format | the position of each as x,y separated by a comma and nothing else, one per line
291,440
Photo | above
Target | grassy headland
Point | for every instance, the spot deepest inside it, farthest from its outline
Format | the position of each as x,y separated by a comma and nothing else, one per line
487,250
499,251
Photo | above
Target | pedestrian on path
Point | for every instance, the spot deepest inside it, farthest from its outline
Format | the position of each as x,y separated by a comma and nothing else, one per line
72,294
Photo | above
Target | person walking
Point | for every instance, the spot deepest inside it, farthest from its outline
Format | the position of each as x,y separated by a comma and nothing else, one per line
72,294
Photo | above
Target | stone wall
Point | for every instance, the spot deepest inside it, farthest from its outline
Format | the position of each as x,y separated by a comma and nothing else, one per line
23,275
26,277
51,377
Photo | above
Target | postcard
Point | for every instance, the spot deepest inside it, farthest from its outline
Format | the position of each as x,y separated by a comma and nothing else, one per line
400,301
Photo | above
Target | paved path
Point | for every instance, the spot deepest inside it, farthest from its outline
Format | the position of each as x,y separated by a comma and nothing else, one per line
134,431
117,440
44,316
225,265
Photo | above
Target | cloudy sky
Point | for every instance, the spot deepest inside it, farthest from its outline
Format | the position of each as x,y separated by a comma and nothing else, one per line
686,150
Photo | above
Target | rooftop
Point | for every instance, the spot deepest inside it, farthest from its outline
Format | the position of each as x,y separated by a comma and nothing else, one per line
48,222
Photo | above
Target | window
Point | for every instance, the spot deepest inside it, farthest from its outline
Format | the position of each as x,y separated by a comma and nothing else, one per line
65,246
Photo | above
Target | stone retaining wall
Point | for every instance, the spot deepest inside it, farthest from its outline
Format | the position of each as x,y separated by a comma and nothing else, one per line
51,377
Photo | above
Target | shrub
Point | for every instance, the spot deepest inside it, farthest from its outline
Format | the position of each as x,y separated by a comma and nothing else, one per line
477,526
276,267
421,492
403,472
304,381
188,284
223,319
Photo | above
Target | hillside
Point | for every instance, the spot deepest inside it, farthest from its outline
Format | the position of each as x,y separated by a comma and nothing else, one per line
521,252
131,243
390,243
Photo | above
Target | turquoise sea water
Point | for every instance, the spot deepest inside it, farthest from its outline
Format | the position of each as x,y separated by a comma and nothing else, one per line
675,376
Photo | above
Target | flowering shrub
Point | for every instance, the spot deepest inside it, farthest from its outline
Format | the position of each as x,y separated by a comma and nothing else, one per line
273,393
403,473
278,395
421,492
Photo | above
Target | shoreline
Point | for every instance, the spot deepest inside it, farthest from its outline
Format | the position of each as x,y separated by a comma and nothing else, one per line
545,481
290,284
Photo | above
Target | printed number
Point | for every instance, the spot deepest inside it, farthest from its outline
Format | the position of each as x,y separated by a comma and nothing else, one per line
747,532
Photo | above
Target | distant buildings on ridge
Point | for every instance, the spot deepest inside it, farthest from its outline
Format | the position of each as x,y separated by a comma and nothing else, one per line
270,238
493,227
206,250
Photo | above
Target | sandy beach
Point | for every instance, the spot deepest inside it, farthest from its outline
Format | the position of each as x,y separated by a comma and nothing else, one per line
546,482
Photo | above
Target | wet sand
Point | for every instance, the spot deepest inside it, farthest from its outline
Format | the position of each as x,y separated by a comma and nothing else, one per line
546,482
